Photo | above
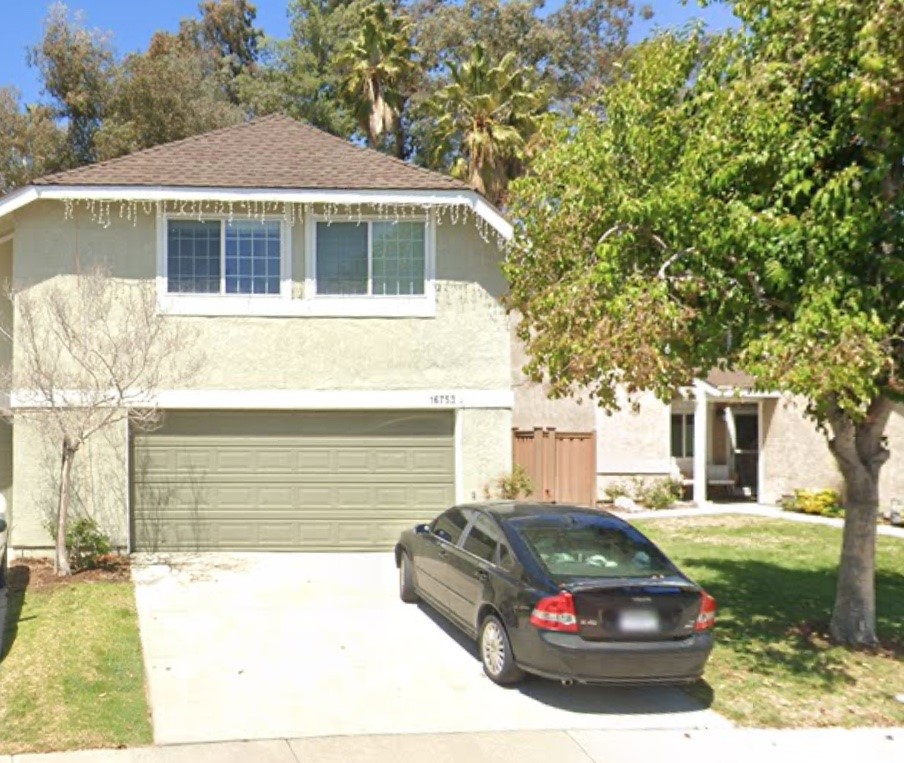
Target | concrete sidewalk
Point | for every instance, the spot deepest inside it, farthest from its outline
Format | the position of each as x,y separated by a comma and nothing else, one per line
735,745
752,510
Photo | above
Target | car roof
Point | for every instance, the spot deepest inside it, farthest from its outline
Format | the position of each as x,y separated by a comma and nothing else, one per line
503,510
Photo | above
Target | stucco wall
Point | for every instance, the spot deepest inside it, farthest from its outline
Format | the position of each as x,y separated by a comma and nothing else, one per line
486,442
98,480
633,441
466,345
796,454
533,406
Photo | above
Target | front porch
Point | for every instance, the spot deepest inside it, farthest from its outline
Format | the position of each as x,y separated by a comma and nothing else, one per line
716,442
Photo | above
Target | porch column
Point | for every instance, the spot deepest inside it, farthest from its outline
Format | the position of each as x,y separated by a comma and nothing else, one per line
701,430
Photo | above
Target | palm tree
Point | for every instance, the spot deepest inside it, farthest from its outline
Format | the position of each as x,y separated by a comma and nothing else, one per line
376,64
486,115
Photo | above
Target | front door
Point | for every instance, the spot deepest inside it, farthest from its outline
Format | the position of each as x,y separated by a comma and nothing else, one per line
747,451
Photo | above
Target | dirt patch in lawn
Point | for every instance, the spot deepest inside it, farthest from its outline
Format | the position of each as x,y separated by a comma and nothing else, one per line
38,575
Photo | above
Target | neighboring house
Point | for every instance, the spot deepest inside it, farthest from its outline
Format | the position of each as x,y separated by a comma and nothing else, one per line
726,441
357,373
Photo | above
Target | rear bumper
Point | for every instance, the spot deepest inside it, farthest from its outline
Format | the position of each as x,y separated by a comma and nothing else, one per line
566,656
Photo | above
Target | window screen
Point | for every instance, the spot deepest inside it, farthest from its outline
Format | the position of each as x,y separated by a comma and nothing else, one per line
341,258
398,258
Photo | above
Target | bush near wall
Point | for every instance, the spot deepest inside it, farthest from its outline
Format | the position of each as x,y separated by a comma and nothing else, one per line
823,503
654,494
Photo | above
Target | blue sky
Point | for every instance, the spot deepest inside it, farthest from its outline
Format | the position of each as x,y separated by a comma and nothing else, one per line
132,24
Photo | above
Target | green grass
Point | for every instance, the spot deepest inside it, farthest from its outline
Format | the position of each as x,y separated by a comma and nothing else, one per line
775,582
71,675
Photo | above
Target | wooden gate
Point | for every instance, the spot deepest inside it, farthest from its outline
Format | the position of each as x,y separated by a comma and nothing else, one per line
561,465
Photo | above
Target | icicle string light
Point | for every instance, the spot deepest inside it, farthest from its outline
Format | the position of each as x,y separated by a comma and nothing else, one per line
101,212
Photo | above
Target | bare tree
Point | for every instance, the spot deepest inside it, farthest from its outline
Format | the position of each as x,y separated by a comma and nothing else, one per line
90,351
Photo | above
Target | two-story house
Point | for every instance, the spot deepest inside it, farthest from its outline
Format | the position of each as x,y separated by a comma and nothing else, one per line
357,360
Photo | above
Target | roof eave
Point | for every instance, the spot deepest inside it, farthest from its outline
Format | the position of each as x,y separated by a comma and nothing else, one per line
480,206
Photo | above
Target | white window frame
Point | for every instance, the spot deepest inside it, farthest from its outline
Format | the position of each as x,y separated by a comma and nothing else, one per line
373,305
685,415
310,304
222,303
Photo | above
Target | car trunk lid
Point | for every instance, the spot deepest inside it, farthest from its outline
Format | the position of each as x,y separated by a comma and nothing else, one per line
635,610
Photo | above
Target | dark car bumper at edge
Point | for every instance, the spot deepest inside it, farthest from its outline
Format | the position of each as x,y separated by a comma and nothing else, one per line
566,656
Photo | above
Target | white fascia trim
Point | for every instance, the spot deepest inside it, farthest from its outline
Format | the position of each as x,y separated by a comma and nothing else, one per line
319,399
471,199
18,199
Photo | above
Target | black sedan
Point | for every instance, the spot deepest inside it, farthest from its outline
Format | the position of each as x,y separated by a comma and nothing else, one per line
563,592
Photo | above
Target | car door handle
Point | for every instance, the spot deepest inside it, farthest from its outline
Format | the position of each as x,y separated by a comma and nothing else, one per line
482,575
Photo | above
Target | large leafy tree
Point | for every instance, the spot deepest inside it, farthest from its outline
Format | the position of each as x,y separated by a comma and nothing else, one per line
31,143
76,65
377,64
570,49
172,79
737,202
484,119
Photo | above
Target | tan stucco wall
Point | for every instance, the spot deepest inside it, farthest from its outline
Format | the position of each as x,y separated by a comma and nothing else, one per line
533,406
98,479
486,448
467,345
633,442
796,454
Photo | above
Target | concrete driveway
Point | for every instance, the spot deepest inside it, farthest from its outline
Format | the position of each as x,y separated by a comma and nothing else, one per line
257,646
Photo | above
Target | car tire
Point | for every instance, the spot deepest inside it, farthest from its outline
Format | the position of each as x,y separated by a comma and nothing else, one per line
407,591
496,653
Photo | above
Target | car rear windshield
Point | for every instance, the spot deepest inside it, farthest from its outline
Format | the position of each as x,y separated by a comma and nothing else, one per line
577,547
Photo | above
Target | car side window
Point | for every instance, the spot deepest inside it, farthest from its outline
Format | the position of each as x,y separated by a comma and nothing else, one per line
504,558
483,539
450,525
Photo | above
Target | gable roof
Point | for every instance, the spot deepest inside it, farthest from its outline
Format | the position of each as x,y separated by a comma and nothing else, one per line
267,153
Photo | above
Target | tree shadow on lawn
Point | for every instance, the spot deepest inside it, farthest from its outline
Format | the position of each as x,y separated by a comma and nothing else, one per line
17,580
775,617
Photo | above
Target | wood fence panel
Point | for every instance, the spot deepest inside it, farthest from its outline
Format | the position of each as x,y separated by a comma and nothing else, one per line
561,465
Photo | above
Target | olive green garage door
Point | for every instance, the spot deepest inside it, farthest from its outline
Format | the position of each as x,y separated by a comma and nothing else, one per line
313,481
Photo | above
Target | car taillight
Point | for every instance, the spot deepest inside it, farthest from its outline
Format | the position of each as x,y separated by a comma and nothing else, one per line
555,613
707,617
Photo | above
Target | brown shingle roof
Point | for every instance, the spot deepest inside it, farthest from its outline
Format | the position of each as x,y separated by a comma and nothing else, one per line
733,379
271,152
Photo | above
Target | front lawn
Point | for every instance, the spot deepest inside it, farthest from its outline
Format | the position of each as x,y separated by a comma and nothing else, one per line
71,674
775,582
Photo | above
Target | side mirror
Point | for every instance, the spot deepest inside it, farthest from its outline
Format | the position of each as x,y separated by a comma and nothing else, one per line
422,529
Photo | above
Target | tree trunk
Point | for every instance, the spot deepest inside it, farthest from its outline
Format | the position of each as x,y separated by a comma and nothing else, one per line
61,567
860,452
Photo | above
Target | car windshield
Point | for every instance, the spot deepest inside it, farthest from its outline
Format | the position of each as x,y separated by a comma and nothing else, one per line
575,547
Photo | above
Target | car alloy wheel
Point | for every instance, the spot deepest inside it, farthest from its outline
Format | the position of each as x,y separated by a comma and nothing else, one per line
496,653
493,648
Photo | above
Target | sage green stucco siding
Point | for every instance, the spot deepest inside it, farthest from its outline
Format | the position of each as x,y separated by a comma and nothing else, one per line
465,346
277,480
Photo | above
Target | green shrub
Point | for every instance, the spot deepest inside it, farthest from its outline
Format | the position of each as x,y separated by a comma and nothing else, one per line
654,494
659,493
515,485
88,545
616,490
823,503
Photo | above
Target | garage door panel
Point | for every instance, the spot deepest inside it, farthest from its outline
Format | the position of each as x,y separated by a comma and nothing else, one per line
277,480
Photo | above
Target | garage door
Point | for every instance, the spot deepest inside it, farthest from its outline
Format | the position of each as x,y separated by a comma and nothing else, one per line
289,480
